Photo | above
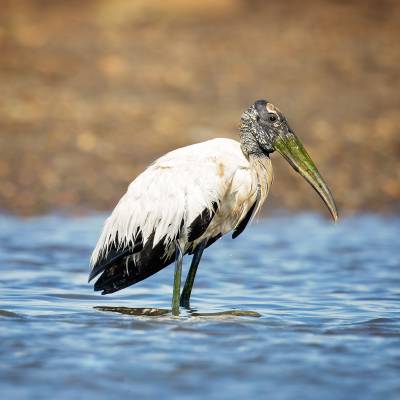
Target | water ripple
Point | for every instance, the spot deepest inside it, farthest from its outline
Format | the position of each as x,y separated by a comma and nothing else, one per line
296,305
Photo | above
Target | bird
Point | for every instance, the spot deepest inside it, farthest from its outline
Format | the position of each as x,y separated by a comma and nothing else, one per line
192,196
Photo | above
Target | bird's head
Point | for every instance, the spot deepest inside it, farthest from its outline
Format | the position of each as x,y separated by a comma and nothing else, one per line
264,129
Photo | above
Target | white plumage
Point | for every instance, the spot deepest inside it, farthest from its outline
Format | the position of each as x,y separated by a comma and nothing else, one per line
178,187
191,197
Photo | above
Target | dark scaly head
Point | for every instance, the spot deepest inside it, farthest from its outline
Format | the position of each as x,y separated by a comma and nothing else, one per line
264,129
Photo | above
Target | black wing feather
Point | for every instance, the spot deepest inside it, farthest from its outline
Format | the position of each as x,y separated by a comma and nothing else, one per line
116,253
132,269
125,267
201,223
243,223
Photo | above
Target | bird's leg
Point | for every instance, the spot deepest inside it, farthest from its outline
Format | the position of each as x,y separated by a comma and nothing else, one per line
177,279
187,289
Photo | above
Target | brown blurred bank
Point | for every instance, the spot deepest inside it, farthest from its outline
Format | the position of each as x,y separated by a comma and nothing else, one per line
92,91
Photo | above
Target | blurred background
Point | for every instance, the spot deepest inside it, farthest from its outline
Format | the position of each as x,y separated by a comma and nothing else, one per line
92,91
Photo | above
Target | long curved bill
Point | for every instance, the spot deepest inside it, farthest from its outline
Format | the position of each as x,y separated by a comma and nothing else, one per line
290,147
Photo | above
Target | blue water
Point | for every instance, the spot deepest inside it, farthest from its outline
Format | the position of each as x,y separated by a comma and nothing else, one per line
328,298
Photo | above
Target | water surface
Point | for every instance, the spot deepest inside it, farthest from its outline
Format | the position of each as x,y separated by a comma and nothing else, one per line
327,295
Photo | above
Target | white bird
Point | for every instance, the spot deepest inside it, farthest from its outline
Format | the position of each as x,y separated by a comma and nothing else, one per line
192,196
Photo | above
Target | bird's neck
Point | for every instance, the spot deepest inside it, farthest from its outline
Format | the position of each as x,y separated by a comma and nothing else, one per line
261,169
248,142
260,163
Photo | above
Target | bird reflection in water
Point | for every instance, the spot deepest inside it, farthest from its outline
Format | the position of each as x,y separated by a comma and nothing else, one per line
158,312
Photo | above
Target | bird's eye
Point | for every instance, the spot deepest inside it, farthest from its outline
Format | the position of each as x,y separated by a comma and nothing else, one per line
272,117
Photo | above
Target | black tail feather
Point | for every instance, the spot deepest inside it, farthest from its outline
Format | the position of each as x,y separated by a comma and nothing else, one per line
126,266
114,254
133,268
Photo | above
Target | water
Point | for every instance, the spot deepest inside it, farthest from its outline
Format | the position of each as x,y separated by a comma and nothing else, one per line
328,299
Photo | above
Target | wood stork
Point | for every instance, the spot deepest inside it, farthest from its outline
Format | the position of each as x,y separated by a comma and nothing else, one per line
190,197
